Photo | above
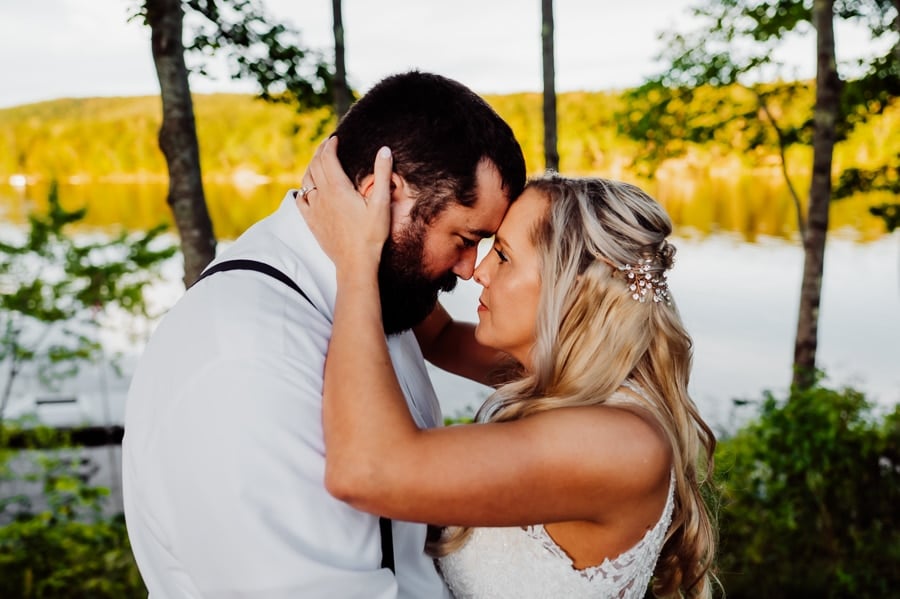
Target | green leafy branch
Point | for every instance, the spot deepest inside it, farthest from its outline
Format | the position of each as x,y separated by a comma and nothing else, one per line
57,286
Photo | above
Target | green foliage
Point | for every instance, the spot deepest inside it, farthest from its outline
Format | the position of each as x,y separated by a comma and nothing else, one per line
890,213
56,287
870,93
459,419
65,547
670,121
259,48
810,496
734,47
68,560
884,178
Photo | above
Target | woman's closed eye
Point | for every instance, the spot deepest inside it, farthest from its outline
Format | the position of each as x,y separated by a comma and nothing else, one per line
500,254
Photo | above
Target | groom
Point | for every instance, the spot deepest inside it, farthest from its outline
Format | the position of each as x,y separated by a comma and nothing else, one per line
223,463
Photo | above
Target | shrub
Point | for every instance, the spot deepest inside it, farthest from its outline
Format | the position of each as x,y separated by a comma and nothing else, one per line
810,496
59,544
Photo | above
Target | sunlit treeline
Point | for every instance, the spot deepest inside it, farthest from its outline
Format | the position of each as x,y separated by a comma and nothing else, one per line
242,137
104,153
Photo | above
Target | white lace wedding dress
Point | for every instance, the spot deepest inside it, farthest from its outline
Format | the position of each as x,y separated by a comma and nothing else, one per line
525,563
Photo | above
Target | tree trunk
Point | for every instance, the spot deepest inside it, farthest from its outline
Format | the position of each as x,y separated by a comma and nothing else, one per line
551,154
342,98
178,137
825,119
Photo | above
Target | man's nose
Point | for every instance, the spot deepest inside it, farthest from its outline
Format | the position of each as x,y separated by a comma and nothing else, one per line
465,266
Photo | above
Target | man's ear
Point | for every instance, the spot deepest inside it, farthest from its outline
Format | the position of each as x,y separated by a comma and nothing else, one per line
402,199
368,184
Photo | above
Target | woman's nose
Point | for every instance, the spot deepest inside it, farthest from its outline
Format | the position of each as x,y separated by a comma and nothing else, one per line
482,276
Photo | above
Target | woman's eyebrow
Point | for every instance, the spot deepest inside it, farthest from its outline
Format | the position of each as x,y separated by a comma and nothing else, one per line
501,241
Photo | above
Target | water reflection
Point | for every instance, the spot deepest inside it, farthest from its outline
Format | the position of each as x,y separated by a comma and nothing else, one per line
736,280
739,302
752,205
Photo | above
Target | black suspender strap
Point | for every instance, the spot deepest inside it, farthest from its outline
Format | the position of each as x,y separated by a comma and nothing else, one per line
258,267
387,544
384,524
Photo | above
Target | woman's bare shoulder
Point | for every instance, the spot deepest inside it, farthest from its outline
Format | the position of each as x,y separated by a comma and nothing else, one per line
621,443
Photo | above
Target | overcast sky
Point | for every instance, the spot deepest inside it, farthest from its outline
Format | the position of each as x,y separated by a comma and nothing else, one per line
74,48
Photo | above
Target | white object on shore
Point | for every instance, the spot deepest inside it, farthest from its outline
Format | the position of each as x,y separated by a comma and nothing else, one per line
18,180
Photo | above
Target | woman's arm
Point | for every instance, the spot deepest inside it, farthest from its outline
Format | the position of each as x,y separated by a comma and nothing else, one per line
451,345
565,464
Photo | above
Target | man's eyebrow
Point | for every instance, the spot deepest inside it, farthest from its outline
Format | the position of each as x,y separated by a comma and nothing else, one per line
481,233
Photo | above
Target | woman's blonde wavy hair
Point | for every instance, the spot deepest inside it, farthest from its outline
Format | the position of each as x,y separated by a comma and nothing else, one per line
593,341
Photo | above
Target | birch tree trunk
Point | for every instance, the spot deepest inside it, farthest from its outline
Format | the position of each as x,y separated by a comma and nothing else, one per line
342,98
178,137
825,119
551,154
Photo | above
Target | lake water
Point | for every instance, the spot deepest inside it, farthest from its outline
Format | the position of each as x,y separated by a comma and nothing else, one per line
737,291
739,302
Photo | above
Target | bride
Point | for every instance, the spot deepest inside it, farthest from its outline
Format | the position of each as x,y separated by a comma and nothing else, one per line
581,476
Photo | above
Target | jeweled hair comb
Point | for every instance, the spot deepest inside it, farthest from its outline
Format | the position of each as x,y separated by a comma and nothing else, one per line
642,282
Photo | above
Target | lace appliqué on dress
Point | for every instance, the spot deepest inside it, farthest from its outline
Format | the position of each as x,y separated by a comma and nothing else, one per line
500,563
629,570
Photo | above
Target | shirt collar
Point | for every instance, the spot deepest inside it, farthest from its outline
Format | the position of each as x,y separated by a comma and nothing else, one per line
312,269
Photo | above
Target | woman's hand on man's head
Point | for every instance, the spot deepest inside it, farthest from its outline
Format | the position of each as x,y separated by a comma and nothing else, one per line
350,227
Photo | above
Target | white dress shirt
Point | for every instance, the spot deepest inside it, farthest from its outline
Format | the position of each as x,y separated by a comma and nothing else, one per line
223,468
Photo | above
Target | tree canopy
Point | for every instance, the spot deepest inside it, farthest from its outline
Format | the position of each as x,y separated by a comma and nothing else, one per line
736,45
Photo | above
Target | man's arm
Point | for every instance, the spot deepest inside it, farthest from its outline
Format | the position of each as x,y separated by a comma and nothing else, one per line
451,345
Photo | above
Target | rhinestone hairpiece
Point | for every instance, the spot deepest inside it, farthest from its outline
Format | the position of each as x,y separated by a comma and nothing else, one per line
643,283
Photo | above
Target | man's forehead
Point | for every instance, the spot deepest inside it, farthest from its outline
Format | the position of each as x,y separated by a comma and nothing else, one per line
492,200
483,233
483,218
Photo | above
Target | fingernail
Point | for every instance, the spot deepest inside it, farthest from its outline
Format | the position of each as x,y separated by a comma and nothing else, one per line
384,152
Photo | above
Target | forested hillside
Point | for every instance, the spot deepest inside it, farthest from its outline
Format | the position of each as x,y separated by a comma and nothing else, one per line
243,138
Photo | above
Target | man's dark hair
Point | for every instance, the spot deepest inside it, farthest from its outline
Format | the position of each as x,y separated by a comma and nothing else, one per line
438,131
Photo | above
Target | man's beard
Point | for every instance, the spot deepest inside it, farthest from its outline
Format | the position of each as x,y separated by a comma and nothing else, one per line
408,295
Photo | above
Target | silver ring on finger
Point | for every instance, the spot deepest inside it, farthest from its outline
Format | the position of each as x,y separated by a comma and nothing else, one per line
304,191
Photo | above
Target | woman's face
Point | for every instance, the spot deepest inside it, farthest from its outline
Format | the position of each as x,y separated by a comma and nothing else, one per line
510,275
